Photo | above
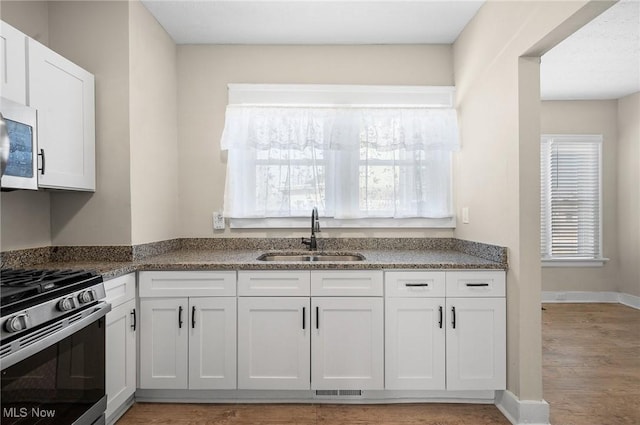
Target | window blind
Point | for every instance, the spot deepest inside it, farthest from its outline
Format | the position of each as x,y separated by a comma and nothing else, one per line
571,199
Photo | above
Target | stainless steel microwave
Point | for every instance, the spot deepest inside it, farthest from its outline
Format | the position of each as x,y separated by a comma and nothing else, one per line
19,146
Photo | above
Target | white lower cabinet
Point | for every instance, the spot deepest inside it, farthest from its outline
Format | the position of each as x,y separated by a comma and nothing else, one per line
435,341
187,342
163,343
347,343
415,344
322,330
273,343
295,342
476,343
120,356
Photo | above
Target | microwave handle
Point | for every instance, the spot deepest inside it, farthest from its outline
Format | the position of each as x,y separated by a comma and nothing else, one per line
41,169
4,145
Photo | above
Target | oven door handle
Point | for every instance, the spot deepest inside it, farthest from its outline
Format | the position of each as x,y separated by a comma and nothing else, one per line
47,340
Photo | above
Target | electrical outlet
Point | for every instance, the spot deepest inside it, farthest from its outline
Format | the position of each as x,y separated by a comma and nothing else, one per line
218,221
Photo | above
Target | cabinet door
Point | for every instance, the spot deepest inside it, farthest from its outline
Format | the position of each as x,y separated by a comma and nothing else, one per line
13,64
212,343
273,343
63,94
120,356
476,344
347,343
415,344
164,336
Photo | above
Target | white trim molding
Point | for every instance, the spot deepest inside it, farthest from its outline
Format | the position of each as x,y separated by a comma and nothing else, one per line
341,94
520,412
591,297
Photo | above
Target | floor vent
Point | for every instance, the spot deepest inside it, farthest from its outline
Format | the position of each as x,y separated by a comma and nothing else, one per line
327,392
341,393
350,393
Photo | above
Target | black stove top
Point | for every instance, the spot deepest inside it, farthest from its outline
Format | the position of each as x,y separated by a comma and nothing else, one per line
21,288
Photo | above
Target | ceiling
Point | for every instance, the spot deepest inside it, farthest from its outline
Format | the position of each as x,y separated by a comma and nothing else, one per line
313,21
599,61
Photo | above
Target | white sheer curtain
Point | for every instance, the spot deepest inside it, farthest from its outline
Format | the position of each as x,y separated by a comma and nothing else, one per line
351,162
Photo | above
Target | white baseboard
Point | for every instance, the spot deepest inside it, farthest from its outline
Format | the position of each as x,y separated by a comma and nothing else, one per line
591,297
630,300
520,412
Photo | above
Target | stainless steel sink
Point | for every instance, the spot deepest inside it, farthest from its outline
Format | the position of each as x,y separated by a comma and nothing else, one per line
316,256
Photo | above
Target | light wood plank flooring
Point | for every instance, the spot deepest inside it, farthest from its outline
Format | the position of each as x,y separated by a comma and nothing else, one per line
591,373
312,414
591,363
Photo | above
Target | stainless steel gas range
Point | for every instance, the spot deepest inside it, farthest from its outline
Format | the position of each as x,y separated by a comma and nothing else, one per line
52,351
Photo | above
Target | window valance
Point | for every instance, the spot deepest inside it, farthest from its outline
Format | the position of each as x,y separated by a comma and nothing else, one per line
347,128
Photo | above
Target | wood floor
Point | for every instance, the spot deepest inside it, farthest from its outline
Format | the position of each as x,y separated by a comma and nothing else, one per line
591,374
591,363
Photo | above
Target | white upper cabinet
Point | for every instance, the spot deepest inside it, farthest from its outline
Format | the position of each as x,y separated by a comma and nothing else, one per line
63,94
13,64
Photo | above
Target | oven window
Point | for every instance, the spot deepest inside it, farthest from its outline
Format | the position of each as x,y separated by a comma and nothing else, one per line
20,163
58,384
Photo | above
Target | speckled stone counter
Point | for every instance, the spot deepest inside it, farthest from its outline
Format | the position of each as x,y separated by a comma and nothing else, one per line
204,254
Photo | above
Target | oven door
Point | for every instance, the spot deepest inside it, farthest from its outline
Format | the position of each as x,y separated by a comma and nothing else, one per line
60,379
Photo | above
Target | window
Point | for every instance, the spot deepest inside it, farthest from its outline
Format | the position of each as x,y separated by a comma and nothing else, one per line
571,200
358,163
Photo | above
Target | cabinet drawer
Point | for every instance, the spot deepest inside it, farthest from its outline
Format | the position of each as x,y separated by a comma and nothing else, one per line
476,284
120,289
412,284
273,283
187,284
347,283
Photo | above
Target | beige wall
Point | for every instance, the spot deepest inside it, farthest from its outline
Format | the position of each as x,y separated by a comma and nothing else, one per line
497,170
629,194
589,117
205,71
153,129
94,34
30,17
24,221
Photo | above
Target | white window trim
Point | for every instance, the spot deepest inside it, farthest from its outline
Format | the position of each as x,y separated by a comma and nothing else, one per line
332,223
578,262
336,94
581,262
343,95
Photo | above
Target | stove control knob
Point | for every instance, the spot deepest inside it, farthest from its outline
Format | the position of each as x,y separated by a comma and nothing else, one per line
66,304
85,297
16,323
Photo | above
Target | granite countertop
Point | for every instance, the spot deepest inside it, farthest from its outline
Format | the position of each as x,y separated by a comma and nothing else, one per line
208,259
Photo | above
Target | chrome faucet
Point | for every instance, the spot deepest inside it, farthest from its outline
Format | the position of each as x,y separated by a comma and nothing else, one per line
315,228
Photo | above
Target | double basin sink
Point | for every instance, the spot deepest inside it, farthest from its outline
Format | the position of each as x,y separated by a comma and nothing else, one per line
311,257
